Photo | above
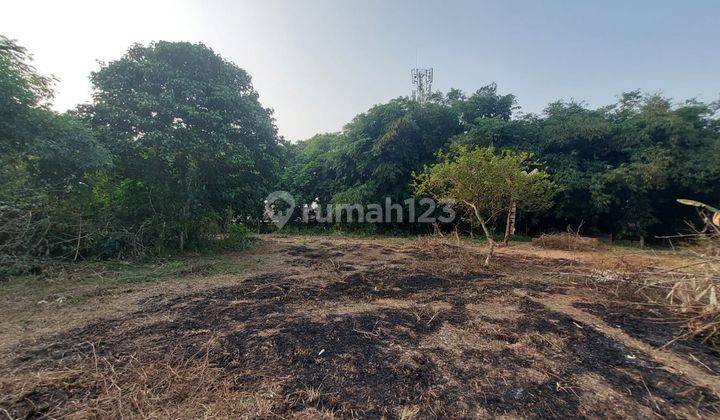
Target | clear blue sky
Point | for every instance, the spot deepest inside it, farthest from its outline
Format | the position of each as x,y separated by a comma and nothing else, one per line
319,63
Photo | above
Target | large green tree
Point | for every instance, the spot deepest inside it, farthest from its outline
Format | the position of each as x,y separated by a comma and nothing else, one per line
191,141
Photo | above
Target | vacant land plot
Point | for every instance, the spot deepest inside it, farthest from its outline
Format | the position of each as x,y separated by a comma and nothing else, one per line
340,327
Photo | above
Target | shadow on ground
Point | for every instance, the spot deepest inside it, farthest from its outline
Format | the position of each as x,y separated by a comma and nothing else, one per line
375,342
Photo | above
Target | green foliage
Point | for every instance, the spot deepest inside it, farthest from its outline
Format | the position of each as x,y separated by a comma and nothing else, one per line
377,152
314,168
176,145
46,170
23,94
237,237
617,168
620,166
486,184
485,103
189,138
173,146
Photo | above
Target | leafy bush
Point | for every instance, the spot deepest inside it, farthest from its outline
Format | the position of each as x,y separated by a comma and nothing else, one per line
237,237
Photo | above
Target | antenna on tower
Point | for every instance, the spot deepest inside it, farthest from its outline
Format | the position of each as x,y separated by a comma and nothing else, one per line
422,84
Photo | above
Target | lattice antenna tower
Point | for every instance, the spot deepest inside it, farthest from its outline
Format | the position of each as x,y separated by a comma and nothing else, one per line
422,84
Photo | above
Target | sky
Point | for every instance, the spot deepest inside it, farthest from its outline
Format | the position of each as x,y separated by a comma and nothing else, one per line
317,64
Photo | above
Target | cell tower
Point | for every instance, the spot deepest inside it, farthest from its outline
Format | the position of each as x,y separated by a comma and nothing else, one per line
422,84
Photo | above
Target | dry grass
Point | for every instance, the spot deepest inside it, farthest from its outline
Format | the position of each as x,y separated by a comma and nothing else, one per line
445,256
168,385
345,328
697,294
567,241
408,412
690,289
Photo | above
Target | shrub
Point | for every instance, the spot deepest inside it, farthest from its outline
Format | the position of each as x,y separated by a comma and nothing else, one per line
567,241
237,238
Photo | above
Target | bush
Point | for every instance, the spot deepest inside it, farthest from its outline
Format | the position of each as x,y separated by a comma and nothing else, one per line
567,241
237,238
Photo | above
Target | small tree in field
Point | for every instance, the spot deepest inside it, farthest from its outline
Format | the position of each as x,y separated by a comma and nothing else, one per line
486,184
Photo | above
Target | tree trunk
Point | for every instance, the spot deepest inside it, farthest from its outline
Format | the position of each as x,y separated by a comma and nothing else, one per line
77,246
510,222
490,240
189,183
488,235
184,227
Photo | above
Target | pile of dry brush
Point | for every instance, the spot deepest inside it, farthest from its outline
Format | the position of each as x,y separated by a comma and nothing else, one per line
568,241
35,232
690,290
696,294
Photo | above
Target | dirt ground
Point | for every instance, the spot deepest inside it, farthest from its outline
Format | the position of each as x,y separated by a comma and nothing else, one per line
342,327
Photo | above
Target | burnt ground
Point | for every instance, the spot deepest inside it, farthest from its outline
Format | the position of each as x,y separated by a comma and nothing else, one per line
372,328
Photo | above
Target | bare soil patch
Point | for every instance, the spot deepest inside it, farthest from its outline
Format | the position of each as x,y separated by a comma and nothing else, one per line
375,328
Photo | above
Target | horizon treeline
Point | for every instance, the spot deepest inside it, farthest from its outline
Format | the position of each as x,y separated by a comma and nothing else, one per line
620,168
175,150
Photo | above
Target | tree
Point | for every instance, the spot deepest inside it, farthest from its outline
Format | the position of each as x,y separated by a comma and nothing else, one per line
484,103
531,191
189,137
47,162
618,166
374,156
23,95
485,184
314,168
390,141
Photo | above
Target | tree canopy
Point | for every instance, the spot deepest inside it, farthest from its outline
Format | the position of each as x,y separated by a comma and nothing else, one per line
189,137
175,149
619,168
486,184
